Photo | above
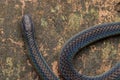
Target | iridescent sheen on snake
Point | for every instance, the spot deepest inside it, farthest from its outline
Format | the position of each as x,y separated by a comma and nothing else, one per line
69,50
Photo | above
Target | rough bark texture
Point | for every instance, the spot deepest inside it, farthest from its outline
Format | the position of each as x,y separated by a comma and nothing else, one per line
55,22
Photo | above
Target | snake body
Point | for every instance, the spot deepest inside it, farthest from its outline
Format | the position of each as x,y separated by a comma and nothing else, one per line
69,50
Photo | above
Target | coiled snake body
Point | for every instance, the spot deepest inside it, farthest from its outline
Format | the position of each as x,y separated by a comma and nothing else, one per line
76,43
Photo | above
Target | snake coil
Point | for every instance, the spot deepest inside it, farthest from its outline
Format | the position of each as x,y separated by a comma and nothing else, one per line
74,44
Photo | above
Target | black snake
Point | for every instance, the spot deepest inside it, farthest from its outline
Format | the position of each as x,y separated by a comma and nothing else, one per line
74,44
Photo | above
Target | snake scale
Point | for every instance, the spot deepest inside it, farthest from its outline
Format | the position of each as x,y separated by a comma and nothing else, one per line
69,50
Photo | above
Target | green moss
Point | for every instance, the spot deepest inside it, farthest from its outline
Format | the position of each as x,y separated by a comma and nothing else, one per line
74,21
43,22
1,20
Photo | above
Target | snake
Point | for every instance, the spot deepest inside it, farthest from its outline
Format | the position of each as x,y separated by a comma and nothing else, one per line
69,50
